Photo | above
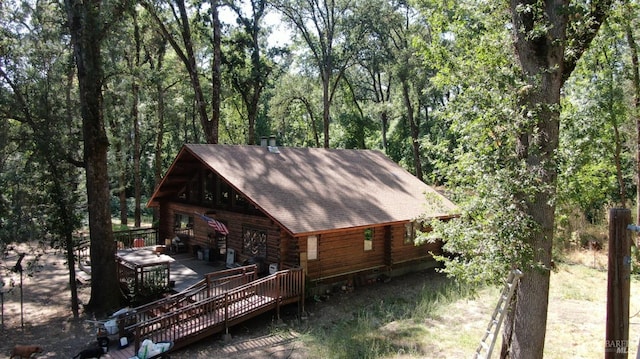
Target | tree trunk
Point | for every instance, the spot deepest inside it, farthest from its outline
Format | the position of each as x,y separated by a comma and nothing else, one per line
73,284
157,168
312,119
216,75
160,94
189,61
633,48
65,212
507,333
137,176
541,60
135,117
542,63
71,265
121,168
545,68
536,146
326,104
382,96
85,25
361,143
415,131
252,114
259,77
384,116
122,185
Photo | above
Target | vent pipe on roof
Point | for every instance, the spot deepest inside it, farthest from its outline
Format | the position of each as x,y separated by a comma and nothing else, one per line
272,145
263,141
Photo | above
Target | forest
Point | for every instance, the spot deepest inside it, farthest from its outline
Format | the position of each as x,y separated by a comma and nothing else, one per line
524,112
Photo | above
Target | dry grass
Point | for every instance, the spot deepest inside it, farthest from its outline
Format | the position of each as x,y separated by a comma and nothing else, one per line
589,258
454,326
577,311
421,316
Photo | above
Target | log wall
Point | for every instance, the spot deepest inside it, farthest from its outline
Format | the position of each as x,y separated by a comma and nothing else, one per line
341,253
402,252
205,236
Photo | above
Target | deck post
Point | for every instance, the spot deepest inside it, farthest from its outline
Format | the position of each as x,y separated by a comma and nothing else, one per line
278,300
139,280
168,274
227,336
136,341
297,286
300,278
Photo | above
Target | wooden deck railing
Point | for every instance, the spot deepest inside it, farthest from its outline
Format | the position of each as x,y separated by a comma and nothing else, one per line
144,279
124,239
146,237
193,321
224,280
213,283
83,252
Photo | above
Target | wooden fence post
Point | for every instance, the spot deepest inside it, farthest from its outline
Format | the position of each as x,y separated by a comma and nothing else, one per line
618,285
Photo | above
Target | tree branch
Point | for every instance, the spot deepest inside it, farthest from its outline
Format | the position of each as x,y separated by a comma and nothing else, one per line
582,30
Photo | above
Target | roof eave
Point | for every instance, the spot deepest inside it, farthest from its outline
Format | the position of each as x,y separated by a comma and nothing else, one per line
235,188
153,201
443,217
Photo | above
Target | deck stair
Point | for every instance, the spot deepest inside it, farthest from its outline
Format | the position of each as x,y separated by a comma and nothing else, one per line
213,305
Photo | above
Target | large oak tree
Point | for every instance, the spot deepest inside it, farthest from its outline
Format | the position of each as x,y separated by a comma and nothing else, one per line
549,38
506,113
324,27
87,28
179,34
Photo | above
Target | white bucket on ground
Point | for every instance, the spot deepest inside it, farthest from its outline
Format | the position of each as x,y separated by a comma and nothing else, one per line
111,326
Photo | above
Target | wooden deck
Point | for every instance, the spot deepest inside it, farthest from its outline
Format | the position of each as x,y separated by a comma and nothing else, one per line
183,269
218,302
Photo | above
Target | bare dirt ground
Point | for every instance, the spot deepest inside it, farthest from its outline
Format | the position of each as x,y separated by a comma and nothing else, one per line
48,321
46,310
575,328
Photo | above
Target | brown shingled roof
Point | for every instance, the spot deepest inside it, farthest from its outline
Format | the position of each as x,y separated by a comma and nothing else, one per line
310,190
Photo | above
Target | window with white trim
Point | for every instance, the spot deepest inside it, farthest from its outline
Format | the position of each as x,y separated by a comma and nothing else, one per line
410,233
368,239
312,248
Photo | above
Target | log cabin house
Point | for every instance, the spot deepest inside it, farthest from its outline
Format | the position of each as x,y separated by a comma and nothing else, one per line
339,214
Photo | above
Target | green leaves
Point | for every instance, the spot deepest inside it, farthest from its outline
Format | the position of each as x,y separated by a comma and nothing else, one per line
596,123
493,184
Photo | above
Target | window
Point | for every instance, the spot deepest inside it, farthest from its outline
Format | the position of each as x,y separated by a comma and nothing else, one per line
208,187
254,242
239,201
410,233
312,248
194,189
368,239
183,221
223,193
183,225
